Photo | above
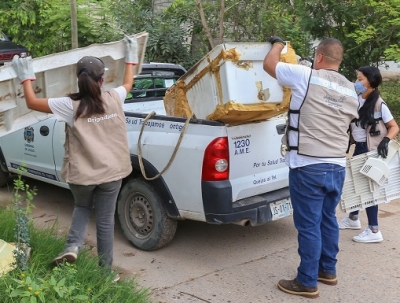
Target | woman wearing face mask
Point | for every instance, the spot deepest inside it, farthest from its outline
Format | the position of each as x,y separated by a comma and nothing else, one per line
374,129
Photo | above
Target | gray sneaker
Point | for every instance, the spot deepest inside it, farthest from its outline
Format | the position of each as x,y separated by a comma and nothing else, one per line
70,254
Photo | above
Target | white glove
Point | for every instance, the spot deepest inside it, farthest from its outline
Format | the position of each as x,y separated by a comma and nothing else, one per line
23,68
131,55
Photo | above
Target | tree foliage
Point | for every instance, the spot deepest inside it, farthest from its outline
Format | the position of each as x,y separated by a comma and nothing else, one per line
244,20
368,29
44,26
131,16
167,38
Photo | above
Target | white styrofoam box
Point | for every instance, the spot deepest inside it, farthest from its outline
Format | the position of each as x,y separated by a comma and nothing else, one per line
56,77
359,192
218,79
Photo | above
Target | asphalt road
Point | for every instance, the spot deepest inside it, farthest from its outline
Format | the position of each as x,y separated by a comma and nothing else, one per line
234,264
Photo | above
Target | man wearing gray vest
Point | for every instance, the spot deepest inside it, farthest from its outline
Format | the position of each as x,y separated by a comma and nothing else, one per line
322,106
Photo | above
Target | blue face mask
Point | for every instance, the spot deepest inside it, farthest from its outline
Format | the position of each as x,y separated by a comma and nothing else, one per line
360,88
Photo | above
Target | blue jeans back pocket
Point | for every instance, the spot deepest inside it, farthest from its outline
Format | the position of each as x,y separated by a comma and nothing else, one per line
312,181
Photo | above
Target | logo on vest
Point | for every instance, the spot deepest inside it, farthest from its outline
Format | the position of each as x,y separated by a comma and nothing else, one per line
99,119
335,102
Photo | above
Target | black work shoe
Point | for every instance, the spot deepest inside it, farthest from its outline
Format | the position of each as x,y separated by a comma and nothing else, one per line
70,254
328,279
293,287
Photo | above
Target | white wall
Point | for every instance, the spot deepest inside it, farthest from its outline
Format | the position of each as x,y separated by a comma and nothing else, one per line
392,72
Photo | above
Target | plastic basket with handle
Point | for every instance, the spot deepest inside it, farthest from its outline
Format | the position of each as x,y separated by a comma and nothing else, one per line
360,190
377,169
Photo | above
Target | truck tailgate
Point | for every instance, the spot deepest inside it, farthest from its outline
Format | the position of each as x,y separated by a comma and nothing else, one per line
256,165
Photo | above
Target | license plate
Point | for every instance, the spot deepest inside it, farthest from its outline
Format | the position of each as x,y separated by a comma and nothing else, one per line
280,209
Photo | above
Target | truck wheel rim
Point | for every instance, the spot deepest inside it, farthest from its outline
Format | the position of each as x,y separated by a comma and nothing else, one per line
141,216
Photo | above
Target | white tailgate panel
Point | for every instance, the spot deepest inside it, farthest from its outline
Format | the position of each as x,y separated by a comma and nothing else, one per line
256,163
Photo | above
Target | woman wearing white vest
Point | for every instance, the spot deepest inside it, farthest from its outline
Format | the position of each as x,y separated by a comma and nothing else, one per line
96,147
373,130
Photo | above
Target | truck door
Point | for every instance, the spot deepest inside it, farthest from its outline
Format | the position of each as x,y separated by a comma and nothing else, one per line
32,147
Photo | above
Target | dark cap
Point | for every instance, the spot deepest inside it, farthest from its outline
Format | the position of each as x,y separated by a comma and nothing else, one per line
93,65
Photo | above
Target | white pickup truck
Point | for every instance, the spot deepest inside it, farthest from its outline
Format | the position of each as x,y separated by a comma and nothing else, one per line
220,174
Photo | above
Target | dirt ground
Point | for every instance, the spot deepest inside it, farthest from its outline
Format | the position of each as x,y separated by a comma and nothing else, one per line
234,264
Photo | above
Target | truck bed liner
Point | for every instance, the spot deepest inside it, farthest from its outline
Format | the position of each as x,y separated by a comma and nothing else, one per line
56,77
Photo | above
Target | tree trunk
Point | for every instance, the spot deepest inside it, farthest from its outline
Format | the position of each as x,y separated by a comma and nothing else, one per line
74,25
204,23
221,22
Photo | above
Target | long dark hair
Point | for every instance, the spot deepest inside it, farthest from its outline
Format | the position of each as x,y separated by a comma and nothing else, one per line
89,94
366,112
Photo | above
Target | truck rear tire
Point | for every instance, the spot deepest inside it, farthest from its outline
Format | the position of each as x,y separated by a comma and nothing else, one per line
142,216
4,177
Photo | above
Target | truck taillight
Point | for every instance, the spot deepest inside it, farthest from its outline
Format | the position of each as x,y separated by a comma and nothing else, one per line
216,160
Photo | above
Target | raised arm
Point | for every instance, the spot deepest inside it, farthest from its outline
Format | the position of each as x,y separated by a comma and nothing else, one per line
131,59
24,70
272,58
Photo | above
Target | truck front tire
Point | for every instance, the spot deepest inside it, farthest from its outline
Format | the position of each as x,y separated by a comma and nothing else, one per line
142,216
4,177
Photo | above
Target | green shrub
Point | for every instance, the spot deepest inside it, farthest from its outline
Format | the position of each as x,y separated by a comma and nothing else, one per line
34,281
59,286
390,92
22,206
84,281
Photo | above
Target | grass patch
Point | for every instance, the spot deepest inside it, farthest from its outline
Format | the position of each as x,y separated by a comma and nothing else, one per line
390,92
84,281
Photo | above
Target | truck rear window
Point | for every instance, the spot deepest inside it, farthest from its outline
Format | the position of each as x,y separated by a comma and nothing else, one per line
151,84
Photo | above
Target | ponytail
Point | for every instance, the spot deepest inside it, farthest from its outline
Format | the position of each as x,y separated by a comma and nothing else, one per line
89,94
366,112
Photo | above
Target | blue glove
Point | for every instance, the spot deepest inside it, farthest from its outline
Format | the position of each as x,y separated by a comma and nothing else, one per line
23,68
131,55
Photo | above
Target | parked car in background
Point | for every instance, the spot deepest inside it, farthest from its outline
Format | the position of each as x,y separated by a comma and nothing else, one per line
9,49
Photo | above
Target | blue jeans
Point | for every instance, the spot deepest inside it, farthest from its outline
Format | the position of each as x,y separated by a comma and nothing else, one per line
372,211
315,191
103,198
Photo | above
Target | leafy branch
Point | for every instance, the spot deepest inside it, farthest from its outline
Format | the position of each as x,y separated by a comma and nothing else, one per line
22,204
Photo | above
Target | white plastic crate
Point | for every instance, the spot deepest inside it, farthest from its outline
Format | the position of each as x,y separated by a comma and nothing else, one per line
359,192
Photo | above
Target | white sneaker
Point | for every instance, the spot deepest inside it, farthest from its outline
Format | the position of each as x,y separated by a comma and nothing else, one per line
347,223
367,236
116,278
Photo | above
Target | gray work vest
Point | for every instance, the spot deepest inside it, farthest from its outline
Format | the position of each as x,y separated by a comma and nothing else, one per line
96,148
373,139
328,108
